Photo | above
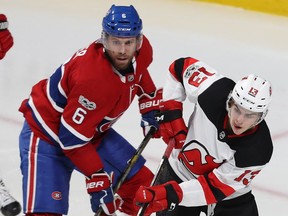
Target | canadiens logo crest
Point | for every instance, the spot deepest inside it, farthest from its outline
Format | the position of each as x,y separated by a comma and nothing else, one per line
90,105
56,195
107,123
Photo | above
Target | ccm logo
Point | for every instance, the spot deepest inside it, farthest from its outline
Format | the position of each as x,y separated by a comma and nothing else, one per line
92,185
149,104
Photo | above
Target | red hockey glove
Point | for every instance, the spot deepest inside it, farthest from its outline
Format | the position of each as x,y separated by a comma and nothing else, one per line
6,39
171,122
149,107
99,186
160,197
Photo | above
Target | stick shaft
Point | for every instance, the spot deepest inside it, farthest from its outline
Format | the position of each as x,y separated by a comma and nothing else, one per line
165,156
135,158
131,163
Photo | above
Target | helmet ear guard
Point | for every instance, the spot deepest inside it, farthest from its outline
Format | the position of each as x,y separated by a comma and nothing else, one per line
253,93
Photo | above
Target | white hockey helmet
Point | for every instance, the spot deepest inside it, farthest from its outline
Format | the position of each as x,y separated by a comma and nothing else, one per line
252,93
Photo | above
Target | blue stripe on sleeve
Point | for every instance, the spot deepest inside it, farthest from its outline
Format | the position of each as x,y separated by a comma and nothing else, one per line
69,139
54,91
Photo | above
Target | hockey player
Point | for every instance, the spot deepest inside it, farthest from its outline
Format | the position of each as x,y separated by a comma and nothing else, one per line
228,143
9,206
69,118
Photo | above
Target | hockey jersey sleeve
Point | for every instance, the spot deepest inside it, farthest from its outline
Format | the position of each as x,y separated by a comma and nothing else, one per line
80,101
81,115
227,180
187,78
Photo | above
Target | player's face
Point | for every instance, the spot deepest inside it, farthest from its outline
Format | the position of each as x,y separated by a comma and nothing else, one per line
121,51
241,119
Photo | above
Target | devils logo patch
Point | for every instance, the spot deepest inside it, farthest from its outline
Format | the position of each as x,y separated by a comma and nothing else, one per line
197,160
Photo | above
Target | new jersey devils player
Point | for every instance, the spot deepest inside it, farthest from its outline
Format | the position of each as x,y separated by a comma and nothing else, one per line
226,145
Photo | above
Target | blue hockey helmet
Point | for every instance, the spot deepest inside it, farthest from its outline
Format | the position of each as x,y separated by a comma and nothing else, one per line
122,21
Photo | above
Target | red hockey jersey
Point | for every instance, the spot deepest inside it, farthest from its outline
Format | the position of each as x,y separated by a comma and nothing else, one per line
83,98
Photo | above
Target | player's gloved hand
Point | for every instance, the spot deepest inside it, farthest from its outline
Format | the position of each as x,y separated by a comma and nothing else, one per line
160,197
99,186
171,122
6,39
118,201
149,107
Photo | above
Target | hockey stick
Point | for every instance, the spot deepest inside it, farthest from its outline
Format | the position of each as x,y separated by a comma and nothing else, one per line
165,157
131,163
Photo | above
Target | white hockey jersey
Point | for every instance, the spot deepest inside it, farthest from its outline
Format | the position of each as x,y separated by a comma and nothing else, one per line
212,164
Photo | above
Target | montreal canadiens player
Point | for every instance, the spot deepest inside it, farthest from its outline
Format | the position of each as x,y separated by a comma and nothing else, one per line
68,119
227,145
9,206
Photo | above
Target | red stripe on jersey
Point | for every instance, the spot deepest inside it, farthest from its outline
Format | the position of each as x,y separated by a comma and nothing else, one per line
225,189
215,183
32,172
210,198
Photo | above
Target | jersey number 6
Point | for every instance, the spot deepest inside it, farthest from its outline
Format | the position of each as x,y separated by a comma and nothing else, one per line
79,115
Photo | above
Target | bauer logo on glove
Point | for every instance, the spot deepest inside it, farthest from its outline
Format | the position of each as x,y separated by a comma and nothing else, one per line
149,107
149,102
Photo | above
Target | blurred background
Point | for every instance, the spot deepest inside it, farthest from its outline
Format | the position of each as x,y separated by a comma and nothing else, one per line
236,37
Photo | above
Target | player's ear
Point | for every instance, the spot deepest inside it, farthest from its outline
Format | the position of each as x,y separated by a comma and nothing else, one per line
139,41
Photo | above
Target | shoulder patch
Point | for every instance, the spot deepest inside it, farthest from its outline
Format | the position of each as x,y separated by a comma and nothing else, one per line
90,105
190,70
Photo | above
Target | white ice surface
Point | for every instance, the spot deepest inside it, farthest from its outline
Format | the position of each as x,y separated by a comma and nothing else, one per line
236,42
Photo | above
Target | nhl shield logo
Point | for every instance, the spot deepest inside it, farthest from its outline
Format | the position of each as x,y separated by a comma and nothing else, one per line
222,135
130,77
